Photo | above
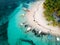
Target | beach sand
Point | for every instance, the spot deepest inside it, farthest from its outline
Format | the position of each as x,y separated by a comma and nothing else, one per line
36,19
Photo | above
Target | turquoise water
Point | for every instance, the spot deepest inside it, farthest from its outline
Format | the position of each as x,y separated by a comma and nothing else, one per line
17,35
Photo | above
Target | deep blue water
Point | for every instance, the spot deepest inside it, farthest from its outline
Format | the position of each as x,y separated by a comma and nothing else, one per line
17,35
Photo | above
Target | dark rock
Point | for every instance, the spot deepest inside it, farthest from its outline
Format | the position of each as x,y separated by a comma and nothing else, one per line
43,33
26,25
36,33
29,41
3,31
33,31
58,20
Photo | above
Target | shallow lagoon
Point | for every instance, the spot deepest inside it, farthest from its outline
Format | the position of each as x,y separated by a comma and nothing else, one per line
17,35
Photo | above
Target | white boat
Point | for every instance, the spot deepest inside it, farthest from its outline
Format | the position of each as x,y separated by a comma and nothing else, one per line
28,29
40,31
22,14
25,9
21,24
58,39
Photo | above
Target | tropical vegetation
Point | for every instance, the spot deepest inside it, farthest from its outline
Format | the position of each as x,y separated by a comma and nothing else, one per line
51,7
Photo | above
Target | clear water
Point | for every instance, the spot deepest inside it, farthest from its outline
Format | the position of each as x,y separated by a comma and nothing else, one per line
17,32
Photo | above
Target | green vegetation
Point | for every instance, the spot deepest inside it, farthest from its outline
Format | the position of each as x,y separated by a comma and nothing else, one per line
50,7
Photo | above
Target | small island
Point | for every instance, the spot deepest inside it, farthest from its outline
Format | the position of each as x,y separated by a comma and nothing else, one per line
43,17
52,11
35,23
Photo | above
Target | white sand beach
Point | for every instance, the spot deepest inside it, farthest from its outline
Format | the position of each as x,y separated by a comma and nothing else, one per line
36,19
